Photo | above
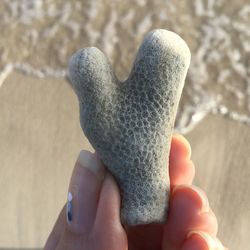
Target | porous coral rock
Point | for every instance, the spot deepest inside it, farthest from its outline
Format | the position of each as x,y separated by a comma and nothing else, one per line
130,123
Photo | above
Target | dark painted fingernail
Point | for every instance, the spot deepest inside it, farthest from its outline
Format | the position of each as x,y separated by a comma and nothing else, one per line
69,207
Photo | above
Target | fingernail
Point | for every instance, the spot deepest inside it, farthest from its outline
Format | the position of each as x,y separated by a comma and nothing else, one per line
200,192
84,189
212,243
69,207
91,162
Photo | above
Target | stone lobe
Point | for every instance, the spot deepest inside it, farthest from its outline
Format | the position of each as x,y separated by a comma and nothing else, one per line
130,123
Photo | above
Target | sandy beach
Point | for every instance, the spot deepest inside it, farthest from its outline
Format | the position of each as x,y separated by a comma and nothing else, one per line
40,140
40,134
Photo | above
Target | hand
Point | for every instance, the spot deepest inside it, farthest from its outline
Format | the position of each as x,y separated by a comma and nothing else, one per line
93,221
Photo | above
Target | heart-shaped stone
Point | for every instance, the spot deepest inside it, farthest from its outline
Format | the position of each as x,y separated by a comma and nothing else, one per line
130,123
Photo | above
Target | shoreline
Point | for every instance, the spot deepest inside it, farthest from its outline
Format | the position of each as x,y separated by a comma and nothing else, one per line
189,120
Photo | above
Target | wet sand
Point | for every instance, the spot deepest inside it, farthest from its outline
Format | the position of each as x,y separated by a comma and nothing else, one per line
40,138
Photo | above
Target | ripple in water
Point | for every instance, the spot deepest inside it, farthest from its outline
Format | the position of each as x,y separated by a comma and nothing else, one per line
38,37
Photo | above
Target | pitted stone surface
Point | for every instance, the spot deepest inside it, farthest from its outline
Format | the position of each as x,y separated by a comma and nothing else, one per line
130,123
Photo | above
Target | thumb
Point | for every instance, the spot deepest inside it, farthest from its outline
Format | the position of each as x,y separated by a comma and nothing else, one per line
108,211
84,190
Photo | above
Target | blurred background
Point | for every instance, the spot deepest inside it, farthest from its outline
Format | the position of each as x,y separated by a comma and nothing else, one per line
40,134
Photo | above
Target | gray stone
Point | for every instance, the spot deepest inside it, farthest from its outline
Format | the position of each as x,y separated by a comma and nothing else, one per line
130,123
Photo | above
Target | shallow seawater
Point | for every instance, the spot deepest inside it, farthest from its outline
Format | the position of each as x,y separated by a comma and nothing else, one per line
39,36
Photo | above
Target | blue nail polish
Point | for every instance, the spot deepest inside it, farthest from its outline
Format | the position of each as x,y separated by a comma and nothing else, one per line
69,208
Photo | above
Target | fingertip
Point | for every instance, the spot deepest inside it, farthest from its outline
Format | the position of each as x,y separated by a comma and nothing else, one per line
92,162
201,240
184,140
195,242
191,197
180,148
189,210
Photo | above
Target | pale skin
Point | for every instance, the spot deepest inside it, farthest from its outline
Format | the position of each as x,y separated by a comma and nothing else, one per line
191,224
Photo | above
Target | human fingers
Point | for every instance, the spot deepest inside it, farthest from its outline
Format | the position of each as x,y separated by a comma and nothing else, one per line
180,148
84,191
181,168
189,210
108,211
199,240
108,216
